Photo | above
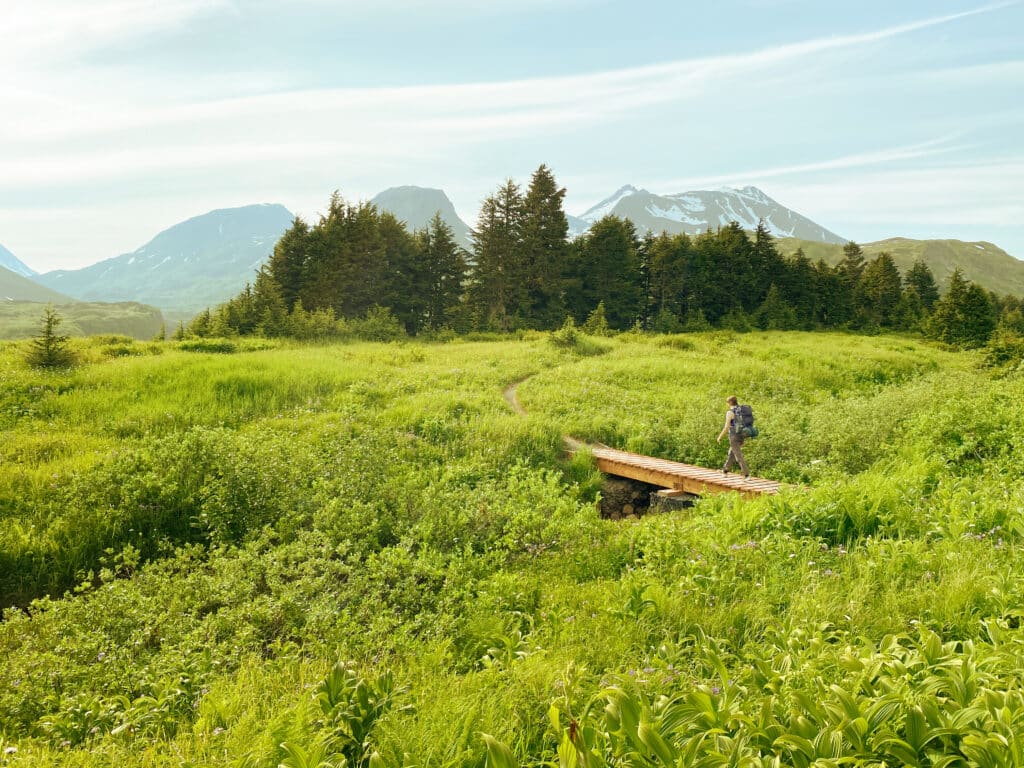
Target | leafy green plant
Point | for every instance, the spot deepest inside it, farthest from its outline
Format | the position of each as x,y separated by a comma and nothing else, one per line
352,705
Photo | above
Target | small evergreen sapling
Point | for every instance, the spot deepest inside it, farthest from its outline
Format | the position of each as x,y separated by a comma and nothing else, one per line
49,349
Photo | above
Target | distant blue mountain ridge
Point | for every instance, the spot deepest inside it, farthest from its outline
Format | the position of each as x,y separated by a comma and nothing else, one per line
9,261
195,264
207,259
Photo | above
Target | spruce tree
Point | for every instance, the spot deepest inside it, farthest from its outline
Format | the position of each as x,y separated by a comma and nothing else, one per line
443,271
544,249
269,306
49,348
766,262
835,294
597,322
964,316
402,274
668,263
881,289
850,269
910,312
201,324
609,272
922,280
775,313
287,264
497,292
852,264
721,276
799,288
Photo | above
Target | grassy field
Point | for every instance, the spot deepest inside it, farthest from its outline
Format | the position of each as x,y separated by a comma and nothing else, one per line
22,319
357,554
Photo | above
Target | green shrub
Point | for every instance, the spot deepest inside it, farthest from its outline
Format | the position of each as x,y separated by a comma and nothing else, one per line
213,346
1005,350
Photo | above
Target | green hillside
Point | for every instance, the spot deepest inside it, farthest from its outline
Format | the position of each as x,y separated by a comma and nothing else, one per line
191,265
983,263
14,287
20,319
265,554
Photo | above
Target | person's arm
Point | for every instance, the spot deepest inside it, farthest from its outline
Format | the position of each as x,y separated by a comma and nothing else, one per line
728,420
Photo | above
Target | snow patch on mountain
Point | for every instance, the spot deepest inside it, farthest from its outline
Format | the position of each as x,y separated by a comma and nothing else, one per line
607,205
698,210
689,202
672,213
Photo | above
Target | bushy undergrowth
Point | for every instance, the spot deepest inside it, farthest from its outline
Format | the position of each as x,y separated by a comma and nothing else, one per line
358,555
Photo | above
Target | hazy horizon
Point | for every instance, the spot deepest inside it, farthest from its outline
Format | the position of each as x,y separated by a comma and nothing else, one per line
128,116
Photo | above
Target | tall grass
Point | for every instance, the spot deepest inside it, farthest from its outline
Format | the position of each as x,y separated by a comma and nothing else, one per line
199,539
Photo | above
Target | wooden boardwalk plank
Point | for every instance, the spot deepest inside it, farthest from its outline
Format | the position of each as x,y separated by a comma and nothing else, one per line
678,476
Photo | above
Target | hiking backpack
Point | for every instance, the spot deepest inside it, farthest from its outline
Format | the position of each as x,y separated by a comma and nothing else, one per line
743,421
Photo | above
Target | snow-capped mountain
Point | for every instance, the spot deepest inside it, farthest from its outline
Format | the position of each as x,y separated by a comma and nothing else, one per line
9,261
416,206
696,211
195,264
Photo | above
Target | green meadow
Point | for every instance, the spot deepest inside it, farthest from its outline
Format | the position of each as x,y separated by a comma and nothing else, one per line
262,553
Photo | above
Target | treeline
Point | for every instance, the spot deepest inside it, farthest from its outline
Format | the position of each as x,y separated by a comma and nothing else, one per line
359,270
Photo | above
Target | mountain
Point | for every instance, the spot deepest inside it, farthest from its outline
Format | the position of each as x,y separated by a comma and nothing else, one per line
15,287
983,263
9,261
696,211
195,264
577,226
416,206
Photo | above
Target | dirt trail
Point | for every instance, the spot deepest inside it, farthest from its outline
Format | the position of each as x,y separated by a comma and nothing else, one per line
510,397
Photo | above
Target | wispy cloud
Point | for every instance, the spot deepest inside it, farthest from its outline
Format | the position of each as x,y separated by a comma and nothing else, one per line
943,195
880,157
36,32
84,127
47,128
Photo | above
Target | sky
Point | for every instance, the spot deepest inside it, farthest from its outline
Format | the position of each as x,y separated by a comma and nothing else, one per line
120,118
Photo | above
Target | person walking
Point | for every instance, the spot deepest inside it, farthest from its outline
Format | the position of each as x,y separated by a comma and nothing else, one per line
734,429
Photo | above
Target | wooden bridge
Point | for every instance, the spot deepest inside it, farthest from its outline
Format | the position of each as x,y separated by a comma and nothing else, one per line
677,477
674,477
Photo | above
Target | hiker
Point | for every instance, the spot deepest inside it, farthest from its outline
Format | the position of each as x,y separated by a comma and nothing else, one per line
734,429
